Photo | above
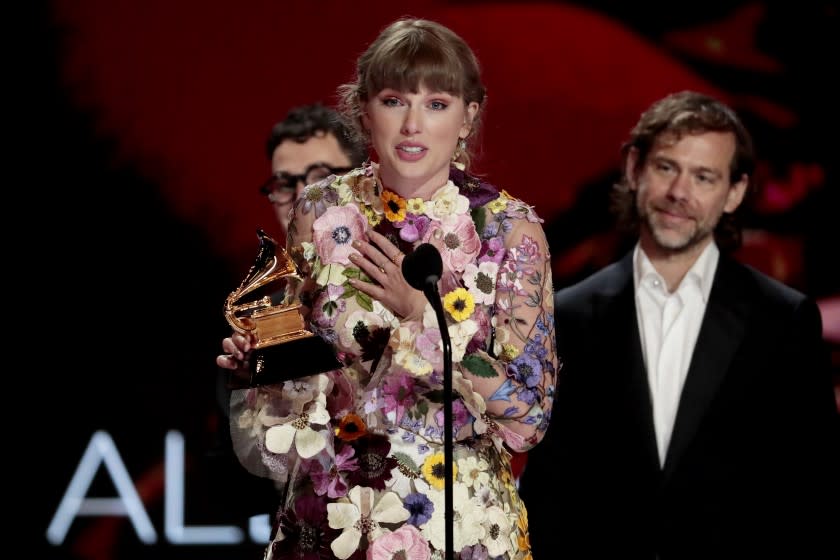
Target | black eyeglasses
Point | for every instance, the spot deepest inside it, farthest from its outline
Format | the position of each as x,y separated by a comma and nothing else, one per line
283,186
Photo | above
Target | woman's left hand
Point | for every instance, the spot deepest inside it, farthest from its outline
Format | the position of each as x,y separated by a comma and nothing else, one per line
382,261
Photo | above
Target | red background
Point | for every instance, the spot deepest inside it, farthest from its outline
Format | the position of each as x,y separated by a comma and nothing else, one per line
142,148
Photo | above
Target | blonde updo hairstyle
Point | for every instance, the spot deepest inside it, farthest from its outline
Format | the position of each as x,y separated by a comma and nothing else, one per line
406,55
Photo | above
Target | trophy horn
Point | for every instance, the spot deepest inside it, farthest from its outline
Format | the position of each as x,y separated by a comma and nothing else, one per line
284,348
271,264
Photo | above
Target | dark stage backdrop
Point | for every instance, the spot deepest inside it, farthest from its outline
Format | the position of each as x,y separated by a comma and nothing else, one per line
139,160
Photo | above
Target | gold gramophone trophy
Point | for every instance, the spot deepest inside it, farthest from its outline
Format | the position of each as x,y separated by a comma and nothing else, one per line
285,349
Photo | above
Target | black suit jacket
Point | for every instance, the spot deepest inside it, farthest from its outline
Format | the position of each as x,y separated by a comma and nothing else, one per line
750,466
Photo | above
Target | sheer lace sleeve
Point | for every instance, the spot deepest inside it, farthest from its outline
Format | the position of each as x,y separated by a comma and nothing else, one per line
515,371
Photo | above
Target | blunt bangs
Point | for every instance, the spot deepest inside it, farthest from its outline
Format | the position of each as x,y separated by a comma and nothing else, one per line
408,64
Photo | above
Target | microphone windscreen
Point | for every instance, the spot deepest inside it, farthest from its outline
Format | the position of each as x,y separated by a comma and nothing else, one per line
423,264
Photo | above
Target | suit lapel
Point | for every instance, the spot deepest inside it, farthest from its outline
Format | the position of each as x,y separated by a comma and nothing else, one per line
619,312
719,337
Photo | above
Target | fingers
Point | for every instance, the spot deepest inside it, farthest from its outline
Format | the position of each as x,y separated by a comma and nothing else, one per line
238,344
397,259
382,261
226,361
371,260
237,348
381,255
387,249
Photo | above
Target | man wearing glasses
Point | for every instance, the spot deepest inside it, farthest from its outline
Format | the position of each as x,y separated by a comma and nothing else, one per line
311,143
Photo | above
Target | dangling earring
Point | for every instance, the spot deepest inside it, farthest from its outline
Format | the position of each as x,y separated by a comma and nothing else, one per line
460,148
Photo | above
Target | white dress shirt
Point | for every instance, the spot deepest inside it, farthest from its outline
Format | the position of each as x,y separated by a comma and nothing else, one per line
668,326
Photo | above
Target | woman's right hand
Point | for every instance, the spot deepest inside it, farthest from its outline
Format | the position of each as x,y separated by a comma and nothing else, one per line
237,348
381,260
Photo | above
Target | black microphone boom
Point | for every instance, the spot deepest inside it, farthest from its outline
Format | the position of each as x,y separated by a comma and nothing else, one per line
422,269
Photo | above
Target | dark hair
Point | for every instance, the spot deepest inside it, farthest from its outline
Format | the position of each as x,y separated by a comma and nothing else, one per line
678,114
303,122
407,54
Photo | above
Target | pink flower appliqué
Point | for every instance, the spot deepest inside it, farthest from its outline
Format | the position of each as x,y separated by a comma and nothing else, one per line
329,304
492,250
412,227
456,239
398,394
404,543
335,231
332,481
460,415
529,250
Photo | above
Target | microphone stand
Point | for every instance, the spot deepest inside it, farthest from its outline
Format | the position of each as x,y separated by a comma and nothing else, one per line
422,270
432,294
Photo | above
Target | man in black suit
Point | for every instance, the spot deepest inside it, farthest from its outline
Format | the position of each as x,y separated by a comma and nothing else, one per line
695,414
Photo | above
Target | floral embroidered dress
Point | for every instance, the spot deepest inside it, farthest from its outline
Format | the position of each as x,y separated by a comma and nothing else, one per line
358,452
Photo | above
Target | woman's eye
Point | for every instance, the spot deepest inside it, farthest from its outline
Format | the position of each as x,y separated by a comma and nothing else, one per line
438,105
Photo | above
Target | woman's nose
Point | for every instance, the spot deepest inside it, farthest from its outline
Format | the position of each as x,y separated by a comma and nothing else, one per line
411,122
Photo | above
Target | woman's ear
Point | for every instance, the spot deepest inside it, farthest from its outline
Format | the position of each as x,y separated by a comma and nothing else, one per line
469,117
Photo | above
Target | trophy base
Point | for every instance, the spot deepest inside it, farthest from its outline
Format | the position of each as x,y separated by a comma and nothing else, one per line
296,358
280,324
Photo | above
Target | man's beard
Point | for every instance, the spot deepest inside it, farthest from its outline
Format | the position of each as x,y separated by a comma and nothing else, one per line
671,240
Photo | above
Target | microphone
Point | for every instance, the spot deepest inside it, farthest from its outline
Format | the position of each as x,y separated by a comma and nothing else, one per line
422,270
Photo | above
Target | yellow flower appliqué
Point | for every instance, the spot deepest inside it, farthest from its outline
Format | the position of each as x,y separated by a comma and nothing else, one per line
394,206
372,216
497,205
459,303
416,206
509,352
434,473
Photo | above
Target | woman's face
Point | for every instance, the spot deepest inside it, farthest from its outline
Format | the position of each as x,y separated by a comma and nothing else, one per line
415,135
